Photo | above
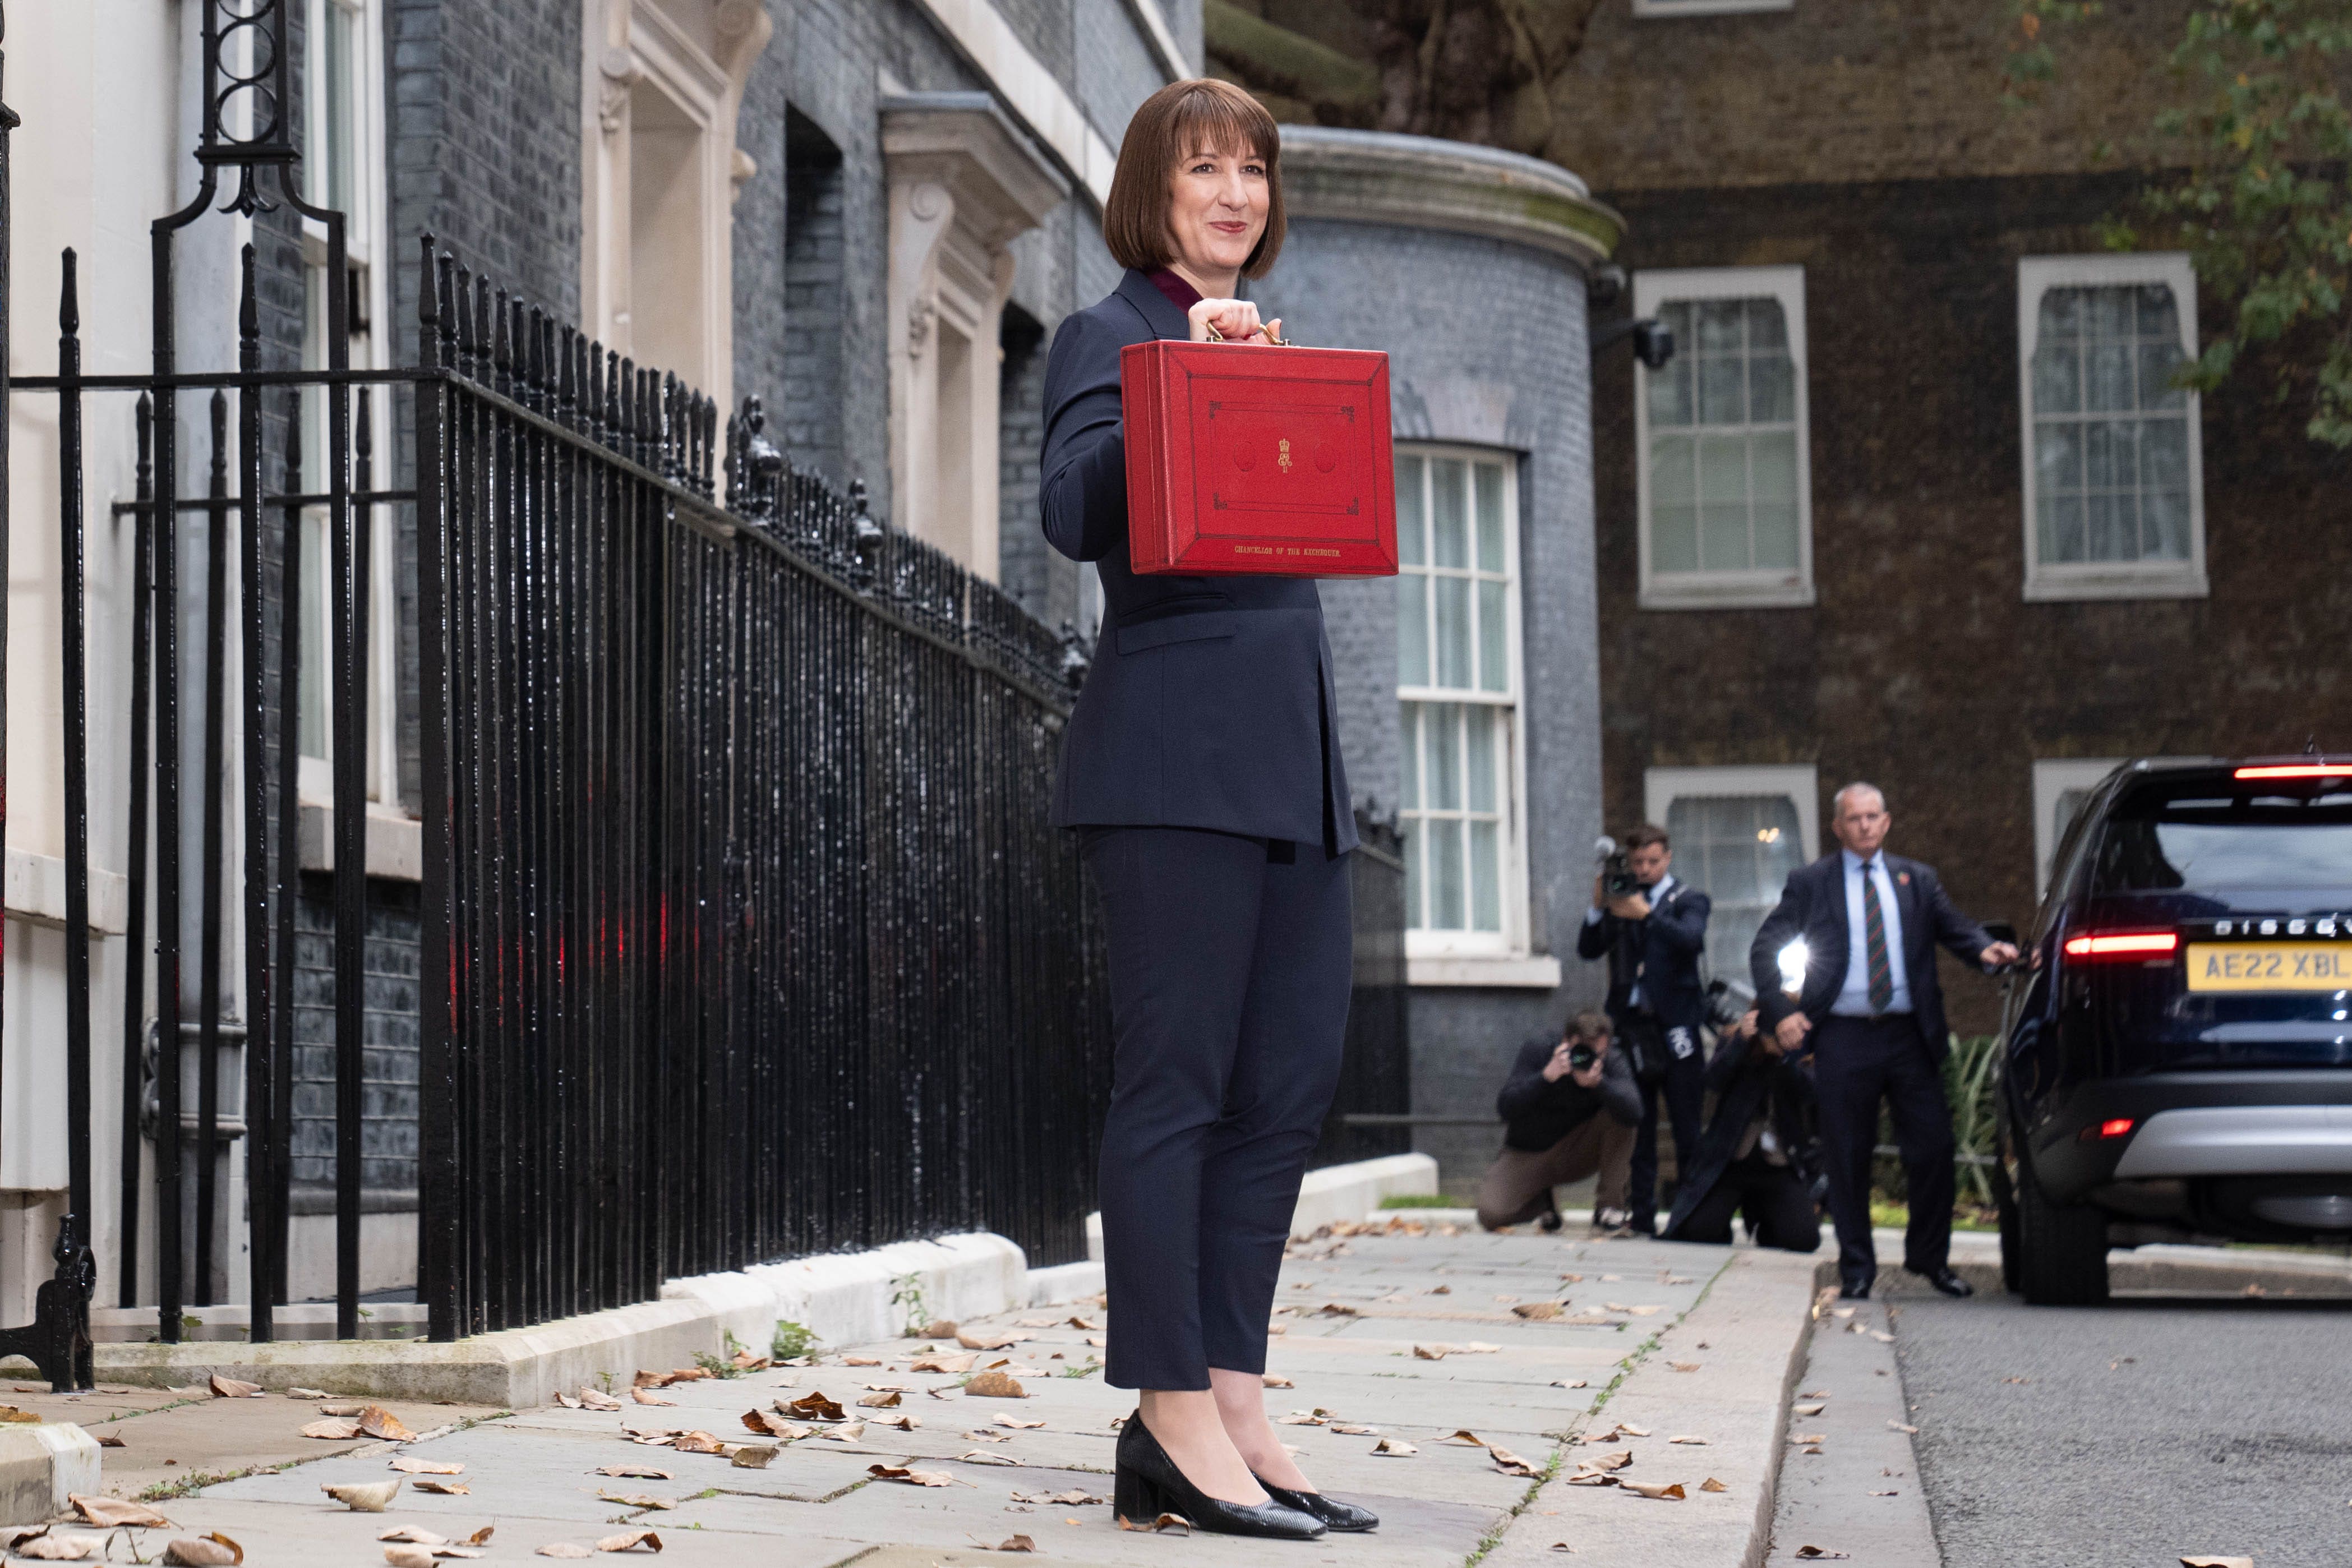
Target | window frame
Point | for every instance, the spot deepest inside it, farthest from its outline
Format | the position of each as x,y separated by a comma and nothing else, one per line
1718,590
2064,581
1645,10
1800,783
1513,942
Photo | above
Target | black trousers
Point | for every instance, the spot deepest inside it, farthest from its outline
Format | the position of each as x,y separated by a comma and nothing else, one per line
1857,1062
1231,962
1778,1209
1683,1088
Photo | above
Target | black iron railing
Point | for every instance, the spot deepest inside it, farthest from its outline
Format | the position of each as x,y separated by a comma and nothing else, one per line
1376,1073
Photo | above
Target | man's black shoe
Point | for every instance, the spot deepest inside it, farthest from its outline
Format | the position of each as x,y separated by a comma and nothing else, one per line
1547,1220
1854,1290
1944,1279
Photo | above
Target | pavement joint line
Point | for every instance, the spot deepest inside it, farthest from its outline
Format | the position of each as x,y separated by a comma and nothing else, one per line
1562,1439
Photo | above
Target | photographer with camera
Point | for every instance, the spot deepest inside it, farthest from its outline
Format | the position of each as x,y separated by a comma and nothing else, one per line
1652,931
1761,1155
1568,1110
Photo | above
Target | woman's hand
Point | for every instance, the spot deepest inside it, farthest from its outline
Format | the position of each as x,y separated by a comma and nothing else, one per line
1234,320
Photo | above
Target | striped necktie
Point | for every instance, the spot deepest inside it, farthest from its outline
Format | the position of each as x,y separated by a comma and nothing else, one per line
1873,928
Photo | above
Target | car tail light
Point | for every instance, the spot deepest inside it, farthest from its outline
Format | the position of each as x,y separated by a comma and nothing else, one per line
2122,945
2295,770
2114,1127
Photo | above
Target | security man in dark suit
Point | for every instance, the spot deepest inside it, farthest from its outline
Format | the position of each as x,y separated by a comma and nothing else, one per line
1654,938
1847,961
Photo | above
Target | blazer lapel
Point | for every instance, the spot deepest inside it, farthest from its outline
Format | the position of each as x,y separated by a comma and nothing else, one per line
1832,928
1159,312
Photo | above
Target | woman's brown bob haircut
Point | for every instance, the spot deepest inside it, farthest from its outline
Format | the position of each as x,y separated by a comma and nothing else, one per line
1183,118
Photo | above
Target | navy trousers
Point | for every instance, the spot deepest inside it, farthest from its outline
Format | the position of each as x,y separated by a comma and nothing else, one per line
1856,1063
1231,962
1684,1089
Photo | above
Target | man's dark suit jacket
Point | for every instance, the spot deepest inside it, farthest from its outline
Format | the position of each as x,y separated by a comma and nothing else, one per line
1538,1114
1210,703
1813,906
1747,1080
1662,953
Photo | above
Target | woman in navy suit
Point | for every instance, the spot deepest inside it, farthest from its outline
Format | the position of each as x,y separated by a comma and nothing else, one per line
1202,771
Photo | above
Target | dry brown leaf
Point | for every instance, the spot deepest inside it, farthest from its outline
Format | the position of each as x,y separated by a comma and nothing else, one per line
110,1439
334,1430
1693,1442
948,1363
409,1556
1337,1310
631,1540
977,1457
744,1361
211,1550
1540,1311
698,1442
1315,1417
902,1423
752,1456
912,1477
1712,1485
988,1339
978,1435
2218,1562
1882,1336
1801,1437
453,1550
650,1379
633,1472
1013,1543
638,1500
1818,1554
1616,1461
1510,1464
1814,1409
890,1401
298,1392
364,1497
1632,1431
1886,1494
412,1534
413,1466
109,1512
812,1406
849,1432
594,1400
566,1400
1654,1490
1275,1380
1165,1521
441,1486
939,1329
1430,1353
1683,1365
377,1422
1580,1383
1007,1418
646,1396
46,1546
1354,1429
1084,1325
565,1549
762,1424
995,1385
1394,1447
1903,1427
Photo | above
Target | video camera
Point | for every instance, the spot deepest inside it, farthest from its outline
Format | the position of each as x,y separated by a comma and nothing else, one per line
1617,881
1728,1000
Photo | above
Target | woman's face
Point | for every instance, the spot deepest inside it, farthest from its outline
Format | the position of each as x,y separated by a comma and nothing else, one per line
1216,211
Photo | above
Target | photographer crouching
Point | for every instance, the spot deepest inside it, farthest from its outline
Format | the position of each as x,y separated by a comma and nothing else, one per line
1652,931
1762,1155
1568,1110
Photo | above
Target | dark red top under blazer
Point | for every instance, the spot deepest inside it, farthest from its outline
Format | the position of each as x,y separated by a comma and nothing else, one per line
1210,703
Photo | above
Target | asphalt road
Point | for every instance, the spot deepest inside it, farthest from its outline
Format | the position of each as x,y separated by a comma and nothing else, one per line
2140,1432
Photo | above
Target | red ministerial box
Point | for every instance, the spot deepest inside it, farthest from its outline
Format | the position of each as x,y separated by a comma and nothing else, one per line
1250,459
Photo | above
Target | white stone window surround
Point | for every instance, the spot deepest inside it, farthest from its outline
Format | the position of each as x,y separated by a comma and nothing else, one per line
2036,275
1718,590
1645,9
1504,952
1800,783
962,181
684,63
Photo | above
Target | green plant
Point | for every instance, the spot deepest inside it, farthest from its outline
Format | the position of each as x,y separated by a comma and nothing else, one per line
1968,1088
792,1339
722,1366
910,1295
607,1379
1421,1201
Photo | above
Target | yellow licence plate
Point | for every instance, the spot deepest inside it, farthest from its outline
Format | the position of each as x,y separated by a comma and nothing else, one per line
2269,967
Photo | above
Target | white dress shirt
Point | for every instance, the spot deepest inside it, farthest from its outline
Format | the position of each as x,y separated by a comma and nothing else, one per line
1853,997
1655,892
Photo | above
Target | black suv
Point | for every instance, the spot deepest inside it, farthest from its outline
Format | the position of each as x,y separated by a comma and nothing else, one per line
2177,1050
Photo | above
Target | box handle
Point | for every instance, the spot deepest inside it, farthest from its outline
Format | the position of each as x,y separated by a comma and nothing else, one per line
1266,326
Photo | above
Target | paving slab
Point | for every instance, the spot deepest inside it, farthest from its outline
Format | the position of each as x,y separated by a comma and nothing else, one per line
1858,1490
1527,1383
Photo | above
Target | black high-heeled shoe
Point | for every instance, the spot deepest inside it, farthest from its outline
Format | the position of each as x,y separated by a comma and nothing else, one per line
1335,1514
1148,1484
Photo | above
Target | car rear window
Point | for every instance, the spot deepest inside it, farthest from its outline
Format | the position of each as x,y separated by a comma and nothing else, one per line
2226,833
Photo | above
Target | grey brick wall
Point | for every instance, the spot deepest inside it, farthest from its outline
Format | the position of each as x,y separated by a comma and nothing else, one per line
1495,356
388,1103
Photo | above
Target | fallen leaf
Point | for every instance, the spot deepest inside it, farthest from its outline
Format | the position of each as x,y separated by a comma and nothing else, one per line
978,1458
1352,1429
1540,1311
1667,1492
568,1403
752,1456
363,1497
1814,1409
1616,1461
110,1440
1083,1325
1466,1439
377,1422
903,1423
881,1400
1165,1521
812,1406
596,1401
1013,1543
1510,1464
1882,1336
1633,1431
1693,1442
995,1385
744,1361
413,1466
47,1546
767,1425
861,1361
849,1432
1645,1312
1394,1447
1886,1494
1900,1426
912,1477
949,1365
1683,1365
698,1442
442,1487
1007,1418
411,1534
631,1540
565,1549
1337,1310
1815,1554
646,1396
1430,1353
1712,1485
1441,1290
1275,1380
334,1428
638,1500
1804,1436
110,1512
988,1339
939,1328
633,1472
409,1556
233,1388
1580,1383
2218,1562
299,1392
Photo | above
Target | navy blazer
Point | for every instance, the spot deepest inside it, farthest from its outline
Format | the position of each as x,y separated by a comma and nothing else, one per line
1661,953
1210,703
1812,906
